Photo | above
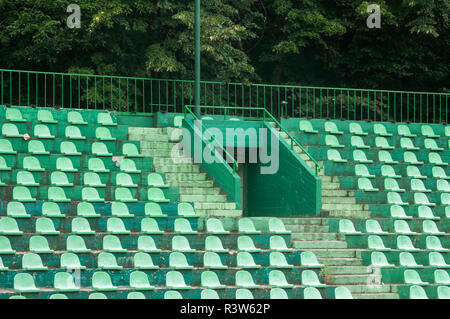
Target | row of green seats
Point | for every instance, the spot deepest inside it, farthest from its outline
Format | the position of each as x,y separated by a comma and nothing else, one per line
417,292
432,243
394,198
389,172
400,227
423,212
407,260
391,184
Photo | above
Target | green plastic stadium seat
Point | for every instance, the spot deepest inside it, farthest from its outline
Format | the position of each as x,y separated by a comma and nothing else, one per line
111,243
245,260
153,210
96,165
32,262
435,159
243,293
143,261
358,142
427,131
209,294
157,195
373,227
411,277
22,194
278,280
405,243
335,156
402,227
433,243
422,199
80,225
150,226
418,186
58,296
214,244
330,127
209,279
277,243
380,129
59,179
74,117
308,259
361,170
445,199
8,226
246,226
123,179
3,165
245,243
385,157
14,115
214,226
100,149
136,295
64,164
24,283
6,147
364,184
156,180
103,134
45,226
39,245
68,148
130,150
101,281
172,295
417,292
378,259
410,158
447,212
403,130
76,244
115,225
175,280
31,163
425,212
186,210
25,178
90,194
65,282
437,260
342,293
147,244
127,165
46,116
429,227
97,295
309,278
355,129
42,131
382,142
119,209
406,259
183,226
414,172
332,141
105,119
442,186
50,209
71,261
181,244
16,210
431,145
374,242
86,210
391,185
243,279
278,260
395,199
311,293
388,171
107,261
5,246
139,281
443,292
360,157
74,133
407,144
10,130
276,226
211,260
57,194
306,126
346,227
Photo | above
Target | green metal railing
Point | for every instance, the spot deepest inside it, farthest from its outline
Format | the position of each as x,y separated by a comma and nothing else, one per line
266,115
146,95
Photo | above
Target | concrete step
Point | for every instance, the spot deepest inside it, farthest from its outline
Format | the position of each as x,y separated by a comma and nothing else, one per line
330,179
307,228
333,253
349,270
214,206
172,160
330,244
348,279
178,168
369,289
150,137
159,145
195,184
199,191
155,153
330,186
219,212
337,193
191,177
376,296
350,213
337,200
340,261
337,206
204,198
317,236
305,221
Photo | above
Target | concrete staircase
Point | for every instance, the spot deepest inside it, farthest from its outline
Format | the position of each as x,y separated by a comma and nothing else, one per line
163,144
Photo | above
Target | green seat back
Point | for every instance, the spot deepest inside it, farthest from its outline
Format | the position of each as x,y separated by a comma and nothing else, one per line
214,226
69,148
181,244
311,293
45,226
128,165
76,244
245,260
185,209
73,132
417,292
213,243
372,226
246,226
435,158
394,198
153,210
6,147
65,282
405,243
209,279
172,295
147,244
87,210
65,164
10,130
362,170
80,225
365,184
309,259
243,279
8,226
425,212
306,126
139,281
355,128
39,245
120,209
413,172
24,282
36,147
277,243
382,142
243,293
183,226
212,260
16,210
245,243
112,243
431,145
136,295
150,226
403,130
100,149
105,119
115,225
96,165
143,260
57,194
385,157
375,243
346,226
71,261
443,292
418,186
402,227
380,129
278,293
330,127
309,278
209,294
332,141
278,260
406,259
74,117
32,261
388,171
45,116
102,281
156,195
357,142
175,280
123,179
5,246
379,259
155,180
433,243
90,194
406,143
59,179
427,130
103,134
334,155
26,178
107,261
42,131
360,156
130,149
412,277
342,293
442,186
97,295
276,226
58,296
436,260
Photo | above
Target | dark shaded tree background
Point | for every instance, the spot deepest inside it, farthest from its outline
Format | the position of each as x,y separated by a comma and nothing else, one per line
305,42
